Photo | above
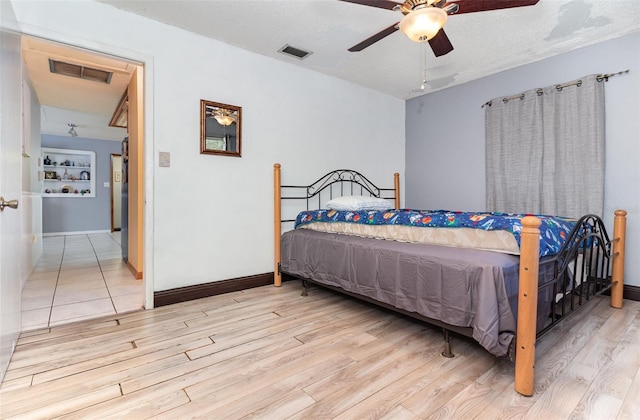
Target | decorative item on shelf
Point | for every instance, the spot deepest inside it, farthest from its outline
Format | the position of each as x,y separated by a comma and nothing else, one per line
47,161
68,174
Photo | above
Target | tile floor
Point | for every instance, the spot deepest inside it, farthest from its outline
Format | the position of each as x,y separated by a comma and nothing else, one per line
79,277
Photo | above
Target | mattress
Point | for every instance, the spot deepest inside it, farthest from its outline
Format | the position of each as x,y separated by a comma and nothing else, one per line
490,240
458,286
553,229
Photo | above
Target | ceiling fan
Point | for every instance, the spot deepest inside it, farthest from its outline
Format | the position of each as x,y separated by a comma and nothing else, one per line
423,19
222,115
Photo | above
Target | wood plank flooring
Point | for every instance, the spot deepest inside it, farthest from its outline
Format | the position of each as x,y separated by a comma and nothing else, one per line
269,353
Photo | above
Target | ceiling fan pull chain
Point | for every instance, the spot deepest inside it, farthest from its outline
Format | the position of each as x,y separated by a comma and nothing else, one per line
424,68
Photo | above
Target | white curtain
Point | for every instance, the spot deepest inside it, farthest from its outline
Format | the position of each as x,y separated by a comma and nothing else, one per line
545,150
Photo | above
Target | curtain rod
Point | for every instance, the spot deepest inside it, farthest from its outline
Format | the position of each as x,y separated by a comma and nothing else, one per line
539,91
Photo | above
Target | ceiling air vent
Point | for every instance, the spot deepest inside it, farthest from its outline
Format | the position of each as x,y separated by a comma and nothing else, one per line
295,52
81,72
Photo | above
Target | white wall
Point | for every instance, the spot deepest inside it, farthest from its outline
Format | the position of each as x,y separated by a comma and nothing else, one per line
31,202
212,216
445,134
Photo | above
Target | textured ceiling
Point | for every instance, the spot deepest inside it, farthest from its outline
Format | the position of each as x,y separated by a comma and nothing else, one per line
484,42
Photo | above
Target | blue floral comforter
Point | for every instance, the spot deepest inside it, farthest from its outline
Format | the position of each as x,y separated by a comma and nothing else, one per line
553,230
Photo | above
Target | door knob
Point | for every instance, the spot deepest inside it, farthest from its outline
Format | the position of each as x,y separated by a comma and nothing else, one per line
11,203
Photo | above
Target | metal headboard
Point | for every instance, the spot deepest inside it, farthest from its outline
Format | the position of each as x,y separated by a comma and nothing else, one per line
334,184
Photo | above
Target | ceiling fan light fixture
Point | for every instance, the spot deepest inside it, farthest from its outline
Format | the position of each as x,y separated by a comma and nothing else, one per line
72,130
224,119
423,23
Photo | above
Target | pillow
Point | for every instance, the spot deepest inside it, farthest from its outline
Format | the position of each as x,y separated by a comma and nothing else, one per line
358,202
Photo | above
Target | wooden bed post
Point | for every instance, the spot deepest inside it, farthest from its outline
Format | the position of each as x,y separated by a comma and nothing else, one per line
277,226
527,305
617,273
396,186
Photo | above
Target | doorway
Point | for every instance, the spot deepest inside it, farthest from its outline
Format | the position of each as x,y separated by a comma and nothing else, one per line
115,282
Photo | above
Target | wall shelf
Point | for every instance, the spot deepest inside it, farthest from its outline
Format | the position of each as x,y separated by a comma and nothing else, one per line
68,173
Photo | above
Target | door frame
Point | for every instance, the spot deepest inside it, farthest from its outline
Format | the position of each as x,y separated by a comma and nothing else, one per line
112,184
146,62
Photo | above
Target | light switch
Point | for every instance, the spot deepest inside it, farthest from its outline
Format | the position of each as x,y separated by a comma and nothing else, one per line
106,184
164,159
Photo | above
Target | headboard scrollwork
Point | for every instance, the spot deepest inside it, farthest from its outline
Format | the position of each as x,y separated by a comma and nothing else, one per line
349,181
336,183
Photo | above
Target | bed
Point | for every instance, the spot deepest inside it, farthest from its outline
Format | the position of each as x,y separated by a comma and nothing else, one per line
504,280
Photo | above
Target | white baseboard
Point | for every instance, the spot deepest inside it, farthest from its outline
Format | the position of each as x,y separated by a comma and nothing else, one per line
86,232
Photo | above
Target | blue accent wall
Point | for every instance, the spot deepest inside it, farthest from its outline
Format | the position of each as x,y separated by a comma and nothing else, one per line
445,144
75,214
445,147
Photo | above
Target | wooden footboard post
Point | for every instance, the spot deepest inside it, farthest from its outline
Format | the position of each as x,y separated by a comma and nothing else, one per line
617,273
527,305
396,186
277,226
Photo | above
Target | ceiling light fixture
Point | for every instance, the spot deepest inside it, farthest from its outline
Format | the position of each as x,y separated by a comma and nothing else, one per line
224,116
72,130
424,22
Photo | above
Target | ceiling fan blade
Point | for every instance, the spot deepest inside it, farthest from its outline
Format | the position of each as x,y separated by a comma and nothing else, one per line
470,6
440,44
381,4
375,38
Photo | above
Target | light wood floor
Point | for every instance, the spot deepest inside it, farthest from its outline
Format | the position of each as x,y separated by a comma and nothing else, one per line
269,353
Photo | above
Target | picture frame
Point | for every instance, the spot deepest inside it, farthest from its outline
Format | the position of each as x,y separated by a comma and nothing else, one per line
220,129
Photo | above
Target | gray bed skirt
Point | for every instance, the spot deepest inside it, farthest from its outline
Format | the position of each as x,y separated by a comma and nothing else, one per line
460,287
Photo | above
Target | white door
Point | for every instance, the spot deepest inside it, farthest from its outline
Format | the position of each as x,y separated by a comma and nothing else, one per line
10,188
